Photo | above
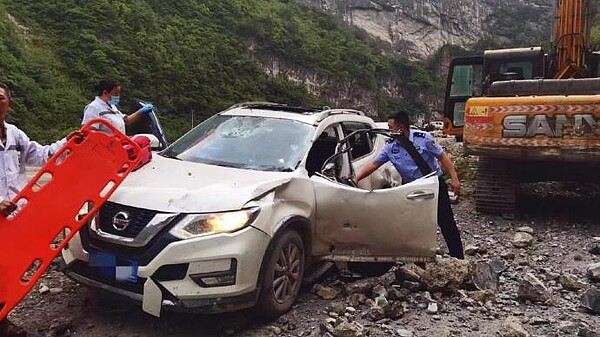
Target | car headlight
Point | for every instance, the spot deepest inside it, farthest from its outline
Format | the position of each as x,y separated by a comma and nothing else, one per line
195,225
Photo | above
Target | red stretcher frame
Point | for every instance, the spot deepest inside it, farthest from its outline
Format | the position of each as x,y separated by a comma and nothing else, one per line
82,174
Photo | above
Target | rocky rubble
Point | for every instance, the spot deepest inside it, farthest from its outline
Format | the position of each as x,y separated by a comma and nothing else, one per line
442,287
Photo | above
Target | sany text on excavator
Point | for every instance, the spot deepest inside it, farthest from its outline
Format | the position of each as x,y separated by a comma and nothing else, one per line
530,116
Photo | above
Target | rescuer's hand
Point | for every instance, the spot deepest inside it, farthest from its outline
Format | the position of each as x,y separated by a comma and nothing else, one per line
147,108
78,135
7,207
455,186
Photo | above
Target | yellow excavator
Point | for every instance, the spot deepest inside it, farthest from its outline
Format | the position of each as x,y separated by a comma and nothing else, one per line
530,116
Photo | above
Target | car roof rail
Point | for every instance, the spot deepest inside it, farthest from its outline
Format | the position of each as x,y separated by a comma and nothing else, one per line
274,106
330,112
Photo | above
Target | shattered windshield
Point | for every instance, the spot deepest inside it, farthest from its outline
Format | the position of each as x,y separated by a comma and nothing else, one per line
255,143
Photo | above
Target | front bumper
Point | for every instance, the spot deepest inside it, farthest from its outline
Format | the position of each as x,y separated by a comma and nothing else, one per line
177,277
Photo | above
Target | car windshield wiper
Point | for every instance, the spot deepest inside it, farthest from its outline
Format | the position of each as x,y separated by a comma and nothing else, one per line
219,163
170,156
273,168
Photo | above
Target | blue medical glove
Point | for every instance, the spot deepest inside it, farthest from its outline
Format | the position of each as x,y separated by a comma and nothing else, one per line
147,108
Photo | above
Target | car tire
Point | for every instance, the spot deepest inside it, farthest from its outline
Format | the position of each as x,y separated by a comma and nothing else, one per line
282,275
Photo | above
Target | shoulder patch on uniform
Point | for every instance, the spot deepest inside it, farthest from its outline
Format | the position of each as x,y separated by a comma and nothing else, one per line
419,134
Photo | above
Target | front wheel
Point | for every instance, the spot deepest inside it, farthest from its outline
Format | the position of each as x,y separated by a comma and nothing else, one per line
283,275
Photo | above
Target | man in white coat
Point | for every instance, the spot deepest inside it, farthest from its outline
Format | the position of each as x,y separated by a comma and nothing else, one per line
16,152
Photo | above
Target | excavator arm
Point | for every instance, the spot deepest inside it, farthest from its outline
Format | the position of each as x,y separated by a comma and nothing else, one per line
570,38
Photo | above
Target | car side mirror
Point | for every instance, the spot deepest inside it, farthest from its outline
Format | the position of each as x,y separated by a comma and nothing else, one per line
155,144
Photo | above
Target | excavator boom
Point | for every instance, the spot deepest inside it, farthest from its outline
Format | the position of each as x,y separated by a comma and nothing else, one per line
570,36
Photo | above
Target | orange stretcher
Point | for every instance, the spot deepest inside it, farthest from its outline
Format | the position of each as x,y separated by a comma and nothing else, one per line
58,200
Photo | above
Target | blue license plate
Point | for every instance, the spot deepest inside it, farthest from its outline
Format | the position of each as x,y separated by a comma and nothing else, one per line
113,267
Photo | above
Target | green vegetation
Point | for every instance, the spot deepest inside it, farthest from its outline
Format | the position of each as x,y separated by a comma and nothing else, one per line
595,31
190,58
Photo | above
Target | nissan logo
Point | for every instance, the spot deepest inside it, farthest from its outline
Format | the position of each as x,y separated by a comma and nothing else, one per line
121,221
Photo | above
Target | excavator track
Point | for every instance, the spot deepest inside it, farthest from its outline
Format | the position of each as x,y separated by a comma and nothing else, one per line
495,188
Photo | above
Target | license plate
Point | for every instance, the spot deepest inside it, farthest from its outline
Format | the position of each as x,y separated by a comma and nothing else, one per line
113,267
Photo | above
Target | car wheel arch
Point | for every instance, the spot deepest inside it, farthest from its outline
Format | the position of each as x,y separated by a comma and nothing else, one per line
299,224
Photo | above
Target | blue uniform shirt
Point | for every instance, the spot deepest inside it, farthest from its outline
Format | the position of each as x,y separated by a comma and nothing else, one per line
403,162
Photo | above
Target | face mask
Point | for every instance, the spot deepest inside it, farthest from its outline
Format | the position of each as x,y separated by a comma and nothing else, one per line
114,100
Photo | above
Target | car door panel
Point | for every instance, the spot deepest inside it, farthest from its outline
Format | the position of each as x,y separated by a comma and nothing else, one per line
393,222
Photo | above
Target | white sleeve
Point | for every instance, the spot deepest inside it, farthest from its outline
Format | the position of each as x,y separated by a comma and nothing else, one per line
35,154
90,112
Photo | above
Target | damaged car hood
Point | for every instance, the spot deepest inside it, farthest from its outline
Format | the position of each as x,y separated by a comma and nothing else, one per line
170,185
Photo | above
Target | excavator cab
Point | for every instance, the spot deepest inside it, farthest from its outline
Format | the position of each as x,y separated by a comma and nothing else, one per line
472,77
465,80
513,64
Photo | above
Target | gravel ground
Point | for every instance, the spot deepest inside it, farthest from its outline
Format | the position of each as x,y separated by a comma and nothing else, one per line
564,233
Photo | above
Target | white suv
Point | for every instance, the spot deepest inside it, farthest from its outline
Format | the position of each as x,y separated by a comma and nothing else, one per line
232,214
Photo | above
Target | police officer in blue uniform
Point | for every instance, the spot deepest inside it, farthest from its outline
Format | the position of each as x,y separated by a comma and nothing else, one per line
432,153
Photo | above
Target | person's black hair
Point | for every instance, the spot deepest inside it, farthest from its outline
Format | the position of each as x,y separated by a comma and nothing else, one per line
106,84
6,89
401,118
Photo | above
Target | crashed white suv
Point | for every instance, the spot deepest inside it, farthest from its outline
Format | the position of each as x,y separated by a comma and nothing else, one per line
232,214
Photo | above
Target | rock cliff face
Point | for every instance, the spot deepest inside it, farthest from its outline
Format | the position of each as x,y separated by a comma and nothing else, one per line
418,28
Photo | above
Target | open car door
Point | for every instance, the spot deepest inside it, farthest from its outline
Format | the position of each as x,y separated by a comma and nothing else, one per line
391,224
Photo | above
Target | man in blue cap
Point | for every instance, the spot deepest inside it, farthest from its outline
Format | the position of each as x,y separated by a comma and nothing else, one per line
409,170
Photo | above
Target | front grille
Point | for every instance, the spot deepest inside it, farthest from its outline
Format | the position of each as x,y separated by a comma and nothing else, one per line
138,219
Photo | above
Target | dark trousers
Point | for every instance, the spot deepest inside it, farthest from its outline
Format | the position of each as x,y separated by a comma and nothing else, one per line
447,224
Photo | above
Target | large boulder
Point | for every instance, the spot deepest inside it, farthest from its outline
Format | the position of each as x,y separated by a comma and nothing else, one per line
532,289
591,300
522,240
447,274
